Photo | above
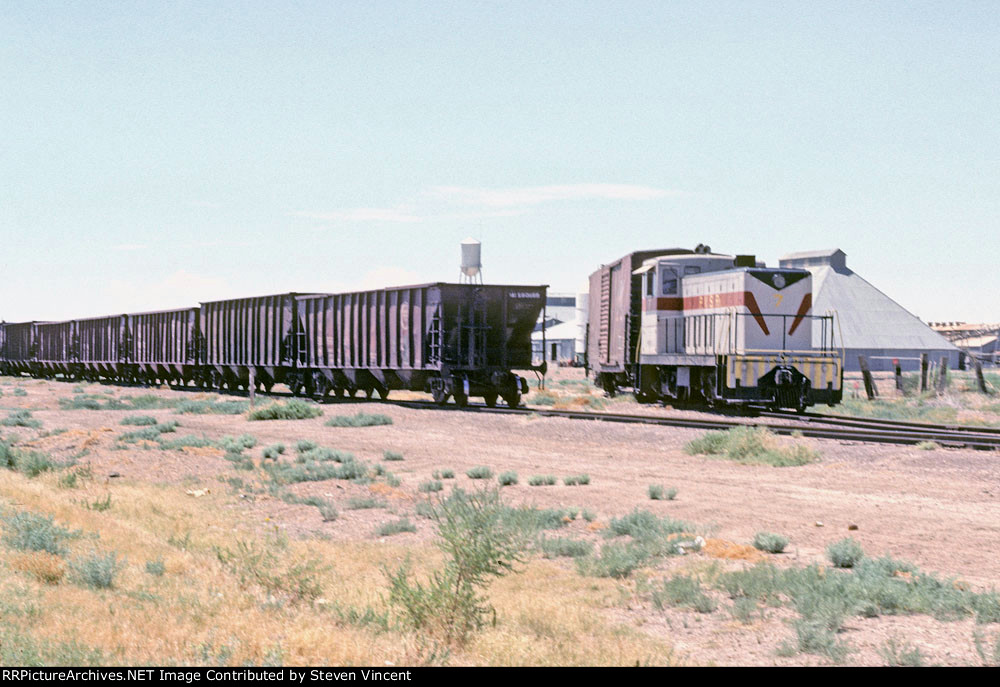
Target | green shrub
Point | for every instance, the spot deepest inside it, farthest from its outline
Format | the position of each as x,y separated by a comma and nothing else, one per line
149,402
20,418
268,566
359,420
845,553
443,474
898,654
20,392
395,527
238,444
294,409
156,568
431,486
283,472
186,441
751,446
28,463
554,547
304,446
479,472
365,502
641,524
392,456
96,570
928,446
213,407
508,478
140,420
617,560
576,480
770,542
273,451
327,510
27,531
541,480
682,591
480,542
658,493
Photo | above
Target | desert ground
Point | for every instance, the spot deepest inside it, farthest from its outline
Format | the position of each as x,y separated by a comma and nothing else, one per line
201,537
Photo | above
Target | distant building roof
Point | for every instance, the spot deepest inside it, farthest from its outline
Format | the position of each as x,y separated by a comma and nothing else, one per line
566,330
832,257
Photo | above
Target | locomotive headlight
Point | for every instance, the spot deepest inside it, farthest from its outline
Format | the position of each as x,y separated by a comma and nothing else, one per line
779,281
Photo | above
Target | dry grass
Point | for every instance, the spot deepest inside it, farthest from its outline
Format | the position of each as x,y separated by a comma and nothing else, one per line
198,611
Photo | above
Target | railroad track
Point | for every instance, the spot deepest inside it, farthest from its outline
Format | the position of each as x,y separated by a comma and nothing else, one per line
814,425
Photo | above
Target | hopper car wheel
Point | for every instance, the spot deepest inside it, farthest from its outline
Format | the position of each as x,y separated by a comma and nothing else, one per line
461,400
370,393
352,393
513,400
491,400
295,386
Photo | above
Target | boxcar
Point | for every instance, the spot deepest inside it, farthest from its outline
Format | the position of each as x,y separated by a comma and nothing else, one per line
453,340
166,345
613,330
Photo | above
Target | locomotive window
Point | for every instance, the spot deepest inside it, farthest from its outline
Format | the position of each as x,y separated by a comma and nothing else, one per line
669,280
649,281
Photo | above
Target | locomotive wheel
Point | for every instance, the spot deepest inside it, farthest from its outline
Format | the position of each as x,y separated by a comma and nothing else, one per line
461,400
440,396
491,400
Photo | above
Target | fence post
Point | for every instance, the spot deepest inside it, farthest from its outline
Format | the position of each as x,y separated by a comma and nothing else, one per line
923,372
942,380
899,376
870,389
980,380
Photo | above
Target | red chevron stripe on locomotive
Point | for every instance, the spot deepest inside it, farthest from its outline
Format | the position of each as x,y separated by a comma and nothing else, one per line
727,300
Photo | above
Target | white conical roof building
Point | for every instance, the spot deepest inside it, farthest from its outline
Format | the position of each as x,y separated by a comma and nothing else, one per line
870,322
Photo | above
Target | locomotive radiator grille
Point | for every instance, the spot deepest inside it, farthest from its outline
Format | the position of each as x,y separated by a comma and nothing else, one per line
822,372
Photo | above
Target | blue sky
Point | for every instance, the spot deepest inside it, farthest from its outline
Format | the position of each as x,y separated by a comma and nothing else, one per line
154,154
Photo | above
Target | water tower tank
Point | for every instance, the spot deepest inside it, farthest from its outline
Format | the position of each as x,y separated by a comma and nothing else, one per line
471,264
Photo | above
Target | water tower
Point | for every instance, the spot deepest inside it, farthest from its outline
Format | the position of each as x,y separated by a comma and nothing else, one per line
472,267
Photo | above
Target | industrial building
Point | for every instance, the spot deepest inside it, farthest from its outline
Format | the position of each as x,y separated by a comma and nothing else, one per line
979,341
565,319
869,323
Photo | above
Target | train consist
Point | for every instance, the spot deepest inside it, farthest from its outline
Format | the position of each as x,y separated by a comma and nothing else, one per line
691,325
452,340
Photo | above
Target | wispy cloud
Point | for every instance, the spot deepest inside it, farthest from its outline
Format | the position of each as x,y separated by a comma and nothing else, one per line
129,247
535,195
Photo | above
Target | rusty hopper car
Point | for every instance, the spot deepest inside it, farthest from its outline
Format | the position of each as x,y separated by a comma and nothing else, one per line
453,340
166,346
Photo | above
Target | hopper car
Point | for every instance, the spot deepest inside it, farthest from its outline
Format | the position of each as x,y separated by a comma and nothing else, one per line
455,341
679,325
